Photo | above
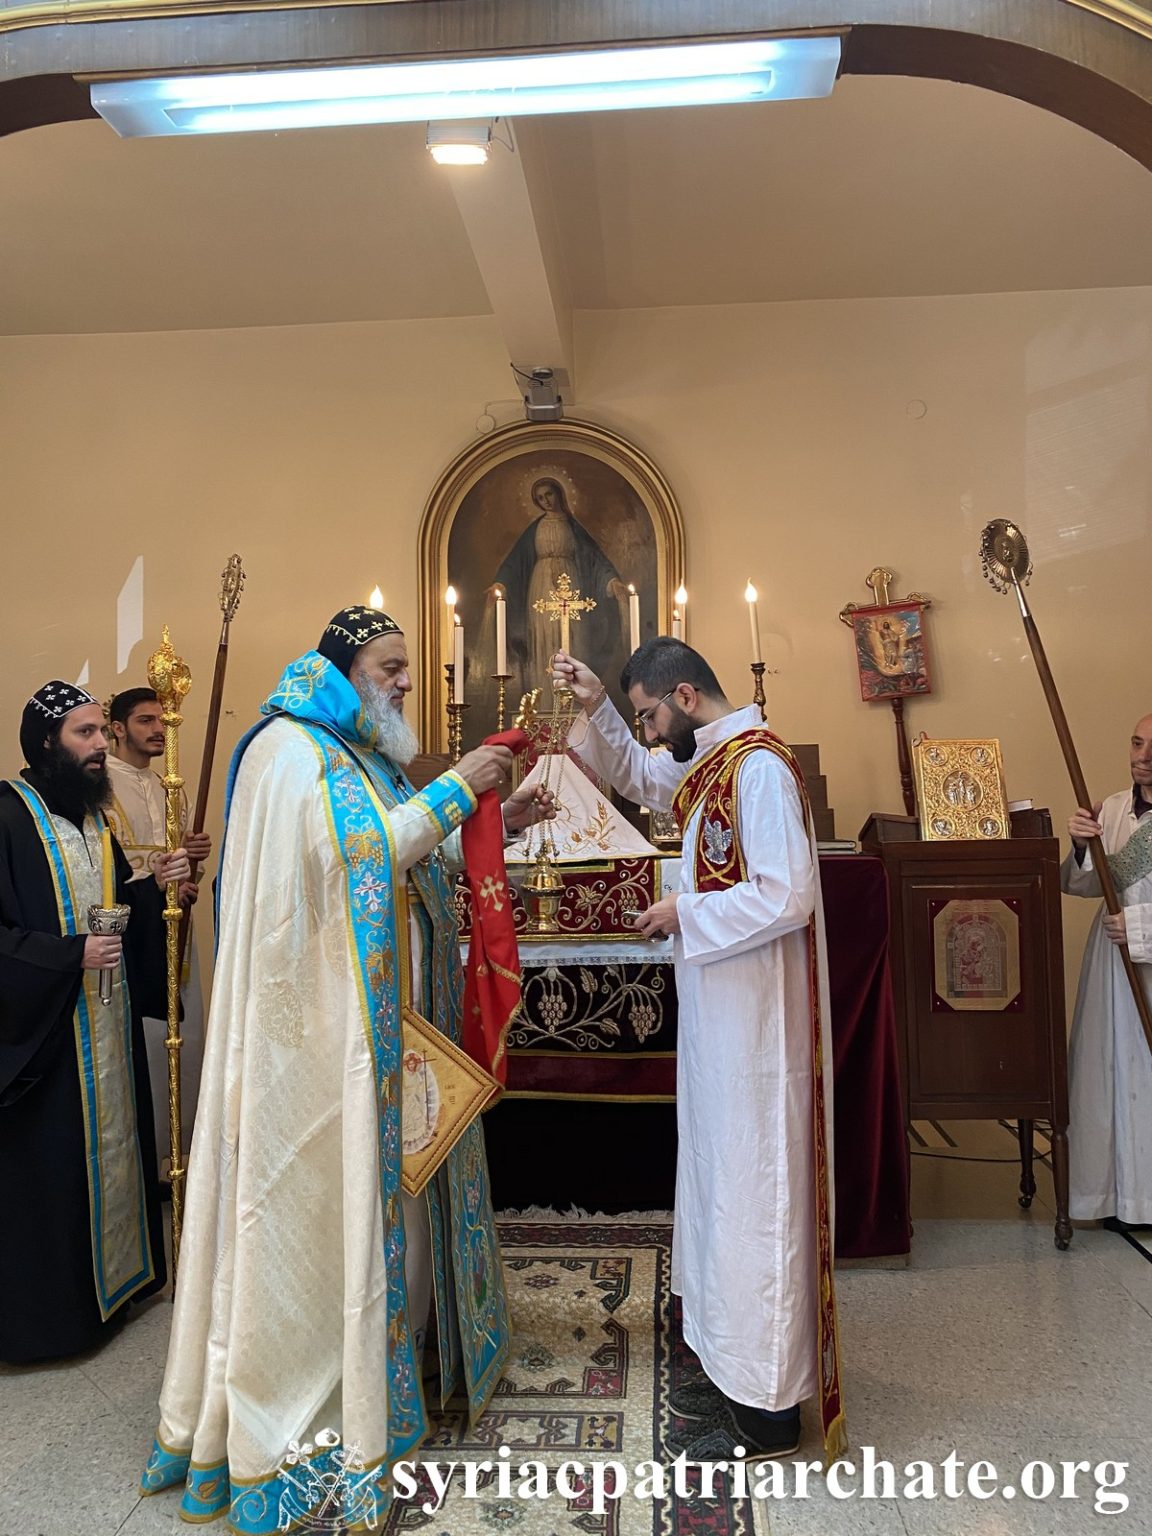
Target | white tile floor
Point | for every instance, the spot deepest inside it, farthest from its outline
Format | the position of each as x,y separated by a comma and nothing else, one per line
990,1344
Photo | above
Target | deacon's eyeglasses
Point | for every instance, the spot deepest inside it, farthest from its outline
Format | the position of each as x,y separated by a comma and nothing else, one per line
646,715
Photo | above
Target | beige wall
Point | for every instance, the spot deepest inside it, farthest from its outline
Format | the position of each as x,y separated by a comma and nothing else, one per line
806,442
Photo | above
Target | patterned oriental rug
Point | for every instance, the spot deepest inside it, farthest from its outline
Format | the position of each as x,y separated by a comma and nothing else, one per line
595,1351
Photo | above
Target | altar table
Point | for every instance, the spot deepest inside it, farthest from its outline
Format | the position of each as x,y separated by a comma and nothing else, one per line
589,1117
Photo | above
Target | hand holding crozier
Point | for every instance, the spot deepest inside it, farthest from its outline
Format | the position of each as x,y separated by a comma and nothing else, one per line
1084,825
172,866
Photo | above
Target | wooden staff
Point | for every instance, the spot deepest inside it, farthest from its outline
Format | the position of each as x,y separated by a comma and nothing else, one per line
233,585
169,676
1004,556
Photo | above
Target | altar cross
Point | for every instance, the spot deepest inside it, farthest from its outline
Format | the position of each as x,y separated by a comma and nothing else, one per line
565,604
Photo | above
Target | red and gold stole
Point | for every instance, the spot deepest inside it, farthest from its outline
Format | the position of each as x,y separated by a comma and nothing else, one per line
718,863
492,980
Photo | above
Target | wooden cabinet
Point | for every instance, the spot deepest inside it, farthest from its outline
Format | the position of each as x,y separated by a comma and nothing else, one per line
978,971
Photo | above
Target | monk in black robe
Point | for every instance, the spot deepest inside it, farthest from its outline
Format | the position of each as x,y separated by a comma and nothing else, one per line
79,1198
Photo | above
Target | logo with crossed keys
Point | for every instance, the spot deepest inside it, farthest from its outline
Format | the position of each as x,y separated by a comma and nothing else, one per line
327,1487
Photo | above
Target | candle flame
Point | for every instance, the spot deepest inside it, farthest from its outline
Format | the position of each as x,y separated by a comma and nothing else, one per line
377,598
750,593
455,618
681,595
631,589
675,615
450,597
500,594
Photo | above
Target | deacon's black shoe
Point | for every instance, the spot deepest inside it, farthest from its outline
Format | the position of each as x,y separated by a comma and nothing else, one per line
716,1439
697,1400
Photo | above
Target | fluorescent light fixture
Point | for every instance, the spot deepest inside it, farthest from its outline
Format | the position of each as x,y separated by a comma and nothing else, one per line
460,143
772,69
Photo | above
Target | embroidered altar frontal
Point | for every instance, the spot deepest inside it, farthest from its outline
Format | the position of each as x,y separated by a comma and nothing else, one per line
597,1018
599,900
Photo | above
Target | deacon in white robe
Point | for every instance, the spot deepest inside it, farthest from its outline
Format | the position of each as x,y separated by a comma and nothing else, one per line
1109,1063
137,814
306,1272
745,1260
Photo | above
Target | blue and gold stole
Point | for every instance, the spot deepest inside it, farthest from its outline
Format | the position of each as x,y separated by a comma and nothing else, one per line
121,1254
359,787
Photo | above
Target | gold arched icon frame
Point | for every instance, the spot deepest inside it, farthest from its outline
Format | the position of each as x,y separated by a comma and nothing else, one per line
529,440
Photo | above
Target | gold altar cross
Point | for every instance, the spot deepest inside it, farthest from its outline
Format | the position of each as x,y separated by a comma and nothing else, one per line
565,604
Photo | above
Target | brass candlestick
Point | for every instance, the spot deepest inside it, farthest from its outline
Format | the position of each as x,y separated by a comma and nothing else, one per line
759,670
758,695
449,684
456,731
501,680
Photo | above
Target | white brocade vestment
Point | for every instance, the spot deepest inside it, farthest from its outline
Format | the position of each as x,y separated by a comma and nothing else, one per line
281,1325
744,1254
1109,1064
137,814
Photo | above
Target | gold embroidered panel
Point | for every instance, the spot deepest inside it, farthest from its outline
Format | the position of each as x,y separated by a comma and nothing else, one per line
960,790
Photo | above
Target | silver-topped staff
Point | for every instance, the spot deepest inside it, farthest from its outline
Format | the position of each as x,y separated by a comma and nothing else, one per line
1004,556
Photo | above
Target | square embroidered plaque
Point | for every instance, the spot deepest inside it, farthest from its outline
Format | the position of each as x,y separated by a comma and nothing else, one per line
442,1092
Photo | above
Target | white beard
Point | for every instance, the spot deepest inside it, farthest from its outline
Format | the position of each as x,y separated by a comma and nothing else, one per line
395,738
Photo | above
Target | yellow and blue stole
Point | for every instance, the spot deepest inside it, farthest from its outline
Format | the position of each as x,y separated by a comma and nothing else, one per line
121,1254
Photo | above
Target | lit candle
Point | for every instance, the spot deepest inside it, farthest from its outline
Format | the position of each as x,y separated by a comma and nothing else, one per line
109,884
680,615
501,633
450,601
754,622
677,625
633,617
458,660
377,598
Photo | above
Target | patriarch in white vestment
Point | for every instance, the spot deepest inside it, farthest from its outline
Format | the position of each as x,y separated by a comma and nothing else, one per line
137,814
751,1256
1109,1063
308,1275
